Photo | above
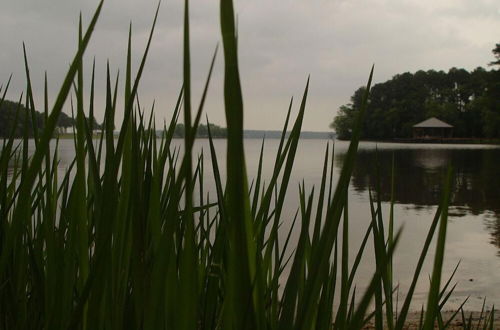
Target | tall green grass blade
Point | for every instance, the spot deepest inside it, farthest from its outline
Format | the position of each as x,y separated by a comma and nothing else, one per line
321,197
242,304
5,89
433,298
359,255
340,321
188,268
379,256
30,104
256,193
294,138
283,133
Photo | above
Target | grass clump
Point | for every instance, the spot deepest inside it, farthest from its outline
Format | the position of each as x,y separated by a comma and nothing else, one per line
118,242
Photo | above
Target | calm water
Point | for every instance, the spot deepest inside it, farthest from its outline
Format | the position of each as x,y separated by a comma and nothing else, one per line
474,224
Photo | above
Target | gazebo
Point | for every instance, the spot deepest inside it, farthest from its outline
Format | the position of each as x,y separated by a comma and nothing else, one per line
432,128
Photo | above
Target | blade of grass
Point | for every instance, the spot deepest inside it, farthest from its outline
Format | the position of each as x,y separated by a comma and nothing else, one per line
433,298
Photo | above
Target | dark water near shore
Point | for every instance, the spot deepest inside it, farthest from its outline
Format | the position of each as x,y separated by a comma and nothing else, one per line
474,224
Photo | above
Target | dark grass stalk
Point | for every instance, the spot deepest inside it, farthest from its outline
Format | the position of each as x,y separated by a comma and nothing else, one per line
433,298
30,104
242,263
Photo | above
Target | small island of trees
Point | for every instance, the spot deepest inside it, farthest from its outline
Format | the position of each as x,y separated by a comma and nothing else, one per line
470,101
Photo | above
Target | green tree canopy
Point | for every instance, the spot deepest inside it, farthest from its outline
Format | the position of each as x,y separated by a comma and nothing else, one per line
496,53
8,110
470,101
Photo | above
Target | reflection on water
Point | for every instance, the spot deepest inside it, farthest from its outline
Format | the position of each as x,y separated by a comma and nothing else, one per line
419,174
473,236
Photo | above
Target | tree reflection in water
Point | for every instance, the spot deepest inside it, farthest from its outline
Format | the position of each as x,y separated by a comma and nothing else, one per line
419,174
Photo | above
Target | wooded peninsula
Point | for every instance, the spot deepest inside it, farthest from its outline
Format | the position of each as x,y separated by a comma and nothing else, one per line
469,101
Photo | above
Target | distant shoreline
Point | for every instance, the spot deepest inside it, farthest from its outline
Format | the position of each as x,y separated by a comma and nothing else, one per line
247,134
259,134
436,141
331,136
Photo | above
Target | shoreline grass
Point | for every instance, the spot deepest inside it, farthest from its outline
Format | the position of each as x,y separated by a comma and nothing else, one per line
125,246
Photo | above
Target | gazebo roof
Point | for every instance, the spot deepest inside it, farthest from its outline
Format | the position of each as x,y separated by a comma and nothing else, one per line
433,122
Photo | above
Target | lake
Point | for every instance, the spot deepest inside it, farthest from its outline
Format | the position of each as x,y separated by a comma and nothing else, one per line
473,237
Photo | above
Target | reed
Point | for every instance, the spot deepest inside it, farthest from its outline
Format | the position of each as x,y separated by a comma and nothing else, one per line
121,242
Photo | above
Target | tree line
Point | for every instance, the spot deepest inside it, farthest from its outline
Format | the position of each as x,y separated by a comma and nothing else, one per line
23,124
470,101
215,130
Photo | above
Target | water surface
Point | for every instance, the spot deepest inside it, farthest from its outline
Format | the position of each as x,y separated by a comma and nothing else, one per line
474,219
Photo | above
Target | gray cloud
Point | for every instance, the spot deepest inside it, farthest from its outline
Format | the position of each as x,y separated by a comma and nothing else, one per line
280,43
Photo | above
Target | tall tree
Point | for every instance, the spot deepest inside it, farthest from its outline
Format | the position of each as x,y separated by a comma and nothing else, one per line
496,53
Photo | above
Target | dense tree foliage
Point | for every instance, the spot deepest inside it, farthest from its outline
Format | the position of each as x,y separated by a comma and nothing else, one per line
8,110
216,131
496,53
470,101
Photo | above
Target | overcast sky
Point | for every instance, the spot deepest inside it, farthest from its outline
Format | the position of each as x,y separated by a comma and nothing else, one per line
280,43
